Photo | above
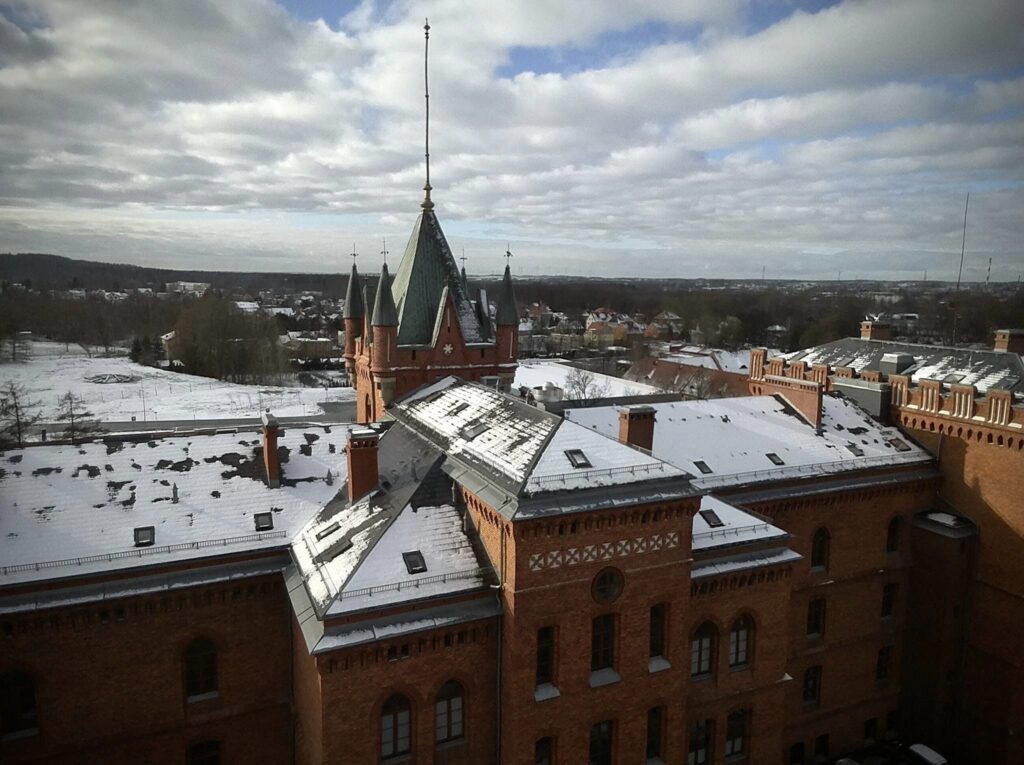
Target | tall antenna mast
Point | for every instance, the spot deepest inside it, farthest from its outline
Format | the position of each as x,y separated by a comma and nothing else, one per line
963,248
427,204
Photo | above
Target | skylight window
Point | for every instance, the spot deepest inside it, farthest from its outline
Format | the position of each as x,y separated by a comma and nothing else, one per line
899,444
703,467
952,379
145,536
458,408
577,458
414,562
328,531
856,450
711,518
775,458
474,430
264,521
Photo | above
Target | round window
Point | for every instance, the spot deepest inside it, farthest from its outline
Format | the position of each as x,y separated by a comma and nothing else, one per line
607,585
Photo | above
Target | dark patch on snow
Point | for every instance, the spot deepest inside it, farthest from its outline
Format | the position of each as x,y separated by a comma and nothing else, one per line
46,471
44,511
327,429
283,453
182,466
114,446
292,482
311,437
163,482
159,499
277,509
151,444
136,465
859,430
91,470
306,450
109,468
81,451
113,487
331,448
130,502
215,494
15,458
101,504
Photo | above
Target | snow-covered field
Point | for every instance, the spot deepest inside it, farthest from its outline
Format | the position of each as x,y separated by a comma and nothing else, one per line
149,394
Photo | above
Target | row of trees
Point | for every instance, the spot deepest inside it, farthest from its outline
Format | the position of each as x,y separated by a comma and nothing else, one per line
20,415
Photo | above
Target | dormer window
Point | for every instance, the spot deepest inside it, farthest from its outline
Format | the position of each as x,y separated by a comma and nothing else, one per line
577,458
414,562
145,536
711,518
702,466
264,521
775,458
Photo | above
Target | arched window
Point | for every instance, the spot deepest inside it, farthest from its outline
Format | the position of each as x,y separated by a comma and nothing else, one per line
702,650
892,539
17,704
395,727
819,549
741,638
200,668
450,712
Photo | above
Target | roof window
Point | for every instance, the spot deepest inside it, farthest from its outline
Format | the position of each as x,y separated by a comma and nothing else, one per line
899,444
775,458
458,408
472,431
702,466
414,562
264,521
711,518
328,531
857,451
578,458
145,536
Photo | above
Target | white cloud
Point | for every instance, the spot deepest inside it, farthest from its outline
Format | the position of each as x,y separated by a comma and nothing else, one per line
156,132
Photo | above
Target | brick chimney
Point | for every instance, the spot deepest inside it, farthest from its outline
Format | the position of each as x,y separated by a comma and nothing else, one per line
636,426
1010,341
363,471
270,459
875,330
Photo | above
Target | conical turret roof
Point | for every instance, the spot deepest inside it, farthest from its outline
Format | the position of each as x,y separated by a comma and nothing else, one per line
354,307
508,312
384,313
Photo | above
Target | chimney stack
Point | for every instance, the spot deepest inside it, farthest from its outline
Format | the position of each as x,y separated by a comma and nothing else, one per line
1010,341
270,459
363,471
636,426
875,330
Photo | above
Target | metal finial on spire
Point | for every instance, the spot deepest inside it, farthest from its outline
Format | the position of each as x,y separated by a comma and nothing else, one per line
508,254
427,204
354,254
384,252
463,258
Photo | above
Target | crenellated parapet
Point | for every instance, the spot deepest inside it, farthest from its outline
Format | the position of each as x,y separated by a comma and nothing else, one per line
956,410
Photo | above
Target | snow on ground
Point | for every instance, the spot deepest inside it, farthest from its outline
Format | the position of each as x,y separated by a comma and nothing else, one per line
152,394
534,373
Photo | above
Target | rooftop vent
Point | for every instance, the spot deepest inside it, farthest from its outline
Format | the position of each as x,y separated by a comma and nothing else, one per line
895,363
414,562
145,536
703,467
577,458
711,518
264,521
775,458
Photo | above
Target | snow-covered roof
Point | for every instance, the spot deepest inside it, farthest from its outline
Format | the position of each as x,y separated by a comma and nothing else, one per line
524,452
68,511
719,524
985,369
728,441
350,556
533,373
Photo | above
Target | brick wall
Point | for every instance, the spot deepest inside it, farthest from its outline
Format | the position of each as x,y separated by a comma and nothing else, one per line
109,677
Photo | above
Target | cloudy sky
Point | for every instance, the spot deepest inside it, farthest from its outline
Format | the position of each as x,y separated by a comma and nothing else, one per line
703,138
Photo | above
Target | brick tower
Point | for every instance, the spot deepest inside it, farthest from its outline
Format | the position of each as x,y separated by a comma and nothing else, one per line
426,324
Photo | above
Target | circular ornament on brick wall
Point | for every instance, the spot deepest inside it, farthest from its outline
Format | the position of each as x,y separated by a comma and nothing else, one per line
607,585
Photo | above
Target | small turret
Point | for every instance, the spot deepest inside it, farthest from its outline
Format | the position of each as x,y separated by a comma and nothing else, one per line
353,318
507,326
384,312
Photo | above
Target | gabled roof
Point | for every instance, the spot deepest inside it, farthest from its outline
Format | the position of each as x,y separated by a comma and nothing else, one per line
526,462
426,270
985,369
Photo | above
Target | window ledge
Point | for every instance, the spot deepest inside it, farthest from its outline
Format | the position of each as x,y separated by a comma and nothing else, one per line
546,691
451,743
20,734
740,668
658,664
202,697
601,677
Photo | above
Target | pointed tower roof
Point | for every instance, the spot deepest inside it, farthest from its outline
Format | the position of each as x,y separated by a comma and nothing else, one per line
427,271
465,281
508,311
354,306
384,313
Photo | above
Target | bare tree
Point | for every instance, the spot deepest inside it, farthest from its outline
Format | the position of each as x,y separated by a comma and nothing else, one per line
81,423
18,413
582,385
